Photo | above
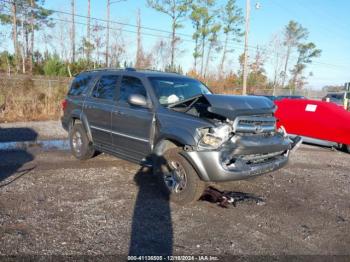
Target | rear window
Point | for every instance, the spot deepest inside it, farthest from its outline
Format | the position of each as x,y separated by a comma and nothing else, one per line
80,85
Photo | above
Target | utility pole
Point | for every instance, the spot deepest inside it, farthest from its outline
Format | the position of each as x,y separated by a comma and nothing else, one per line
245,66
139,47
107,35
88,32
73,30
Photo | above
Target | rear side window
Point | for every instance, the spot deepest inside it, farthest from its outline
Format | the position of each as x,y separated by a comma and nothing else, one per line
337,96
129,86
106,87
80,85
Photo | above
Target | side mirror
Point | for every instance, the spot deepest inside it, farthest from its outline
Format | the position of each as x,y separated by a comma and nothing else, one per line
137,100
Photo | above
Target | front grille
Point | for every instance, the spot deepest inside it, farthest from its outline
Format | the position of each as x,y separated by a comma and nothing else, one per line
254,124
253,160
258,158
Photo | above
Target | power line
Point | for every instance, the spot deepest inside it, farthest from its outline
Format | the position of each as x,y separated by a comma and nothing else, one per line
253,50
181,34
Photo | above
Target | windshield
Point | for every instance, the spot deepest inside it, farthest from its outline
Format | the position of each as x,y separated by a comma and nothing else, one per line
170,90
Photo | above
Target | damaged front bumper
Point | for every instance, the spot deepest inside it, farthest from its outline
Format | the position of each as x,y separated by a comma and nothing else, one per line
243,157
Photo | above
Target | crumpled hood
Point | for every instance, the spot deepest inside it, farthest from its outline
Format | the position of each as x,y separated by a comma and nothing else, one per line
231,106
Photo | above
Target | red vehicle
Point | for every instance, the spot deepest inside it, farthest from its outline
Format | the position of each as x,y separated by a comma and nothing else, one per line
317,122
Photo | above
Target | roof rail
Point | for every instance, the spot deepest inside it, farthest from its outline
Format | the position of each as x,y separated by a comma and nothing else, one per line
125,69
103,69
156,70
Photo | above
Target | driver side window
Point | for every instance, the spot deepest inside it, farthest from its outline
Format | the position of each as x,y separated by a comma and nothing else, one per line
130,86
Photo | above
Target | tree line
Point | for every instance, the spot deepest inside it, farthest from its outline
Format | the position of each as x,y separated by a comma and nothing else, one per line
217,34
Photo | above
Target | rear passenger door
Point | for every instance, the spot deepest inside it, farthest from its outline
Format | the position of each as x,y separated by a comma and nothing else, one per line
131,125
98,107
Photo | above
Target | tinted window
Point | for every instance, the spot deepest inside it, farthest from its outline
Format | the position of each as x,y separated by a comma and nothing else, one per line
130,86
80,85
106,87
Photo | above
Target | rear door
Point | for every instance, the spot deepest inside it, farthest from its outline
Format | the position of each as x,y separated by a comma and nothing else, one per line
98,107
131,125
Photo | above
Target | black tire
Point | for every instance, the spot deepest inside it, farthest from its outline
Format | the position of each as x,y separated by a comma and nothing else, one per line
82,150
191,187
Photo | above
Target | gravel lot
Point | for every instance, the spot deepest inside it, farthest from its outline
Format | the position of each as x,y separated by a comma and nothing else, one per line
51,203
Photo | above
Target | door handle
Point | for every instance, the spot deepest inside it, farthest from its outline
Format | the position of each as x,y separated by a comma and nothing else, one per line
117,112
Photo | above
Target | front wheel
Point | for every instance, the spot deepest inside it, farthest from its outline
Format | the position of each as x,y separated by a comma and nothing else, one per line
179,180
347,147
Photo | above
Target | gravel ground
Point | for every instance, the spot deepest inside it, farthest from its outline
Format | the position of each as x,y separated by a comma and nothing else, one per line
51,203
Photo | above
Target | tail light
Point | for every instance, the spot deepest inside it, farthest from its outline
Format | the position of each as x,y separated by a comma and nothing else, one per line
64,104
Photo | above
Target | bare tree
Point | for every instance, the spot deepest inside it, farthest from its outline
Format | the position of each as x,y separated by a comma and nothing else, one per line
277,58
97,41
73,31
118,49
59,34
23,48
32,4
14,31
109,2
214,44
162,53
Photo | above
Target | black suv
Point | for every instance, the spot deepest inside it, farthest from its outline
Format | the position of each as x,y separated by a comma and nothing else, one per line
176,125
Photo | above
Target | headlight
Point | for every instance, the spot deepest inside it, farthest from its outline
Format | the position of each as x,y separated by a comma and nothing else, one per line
211,140
214,137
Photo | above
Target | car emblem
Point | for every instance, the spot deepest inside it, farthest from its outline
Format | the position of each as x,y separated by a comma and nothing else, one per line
258,128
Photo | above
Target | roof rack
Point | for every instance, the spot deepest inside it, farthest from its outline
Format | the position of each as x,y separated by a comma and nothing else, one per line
124,69
156,70
108,69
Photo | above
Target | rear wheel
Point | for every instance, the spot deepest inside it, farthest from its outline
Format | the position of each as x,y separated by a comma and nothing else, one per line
179,180
80,145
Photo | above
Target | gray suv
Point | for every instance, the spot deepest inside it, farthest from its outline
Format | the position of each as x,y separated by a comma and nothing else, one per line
175,124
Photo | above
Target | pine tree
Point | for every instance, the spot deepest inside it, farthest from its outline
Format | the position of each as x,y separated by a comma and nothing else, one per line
177,10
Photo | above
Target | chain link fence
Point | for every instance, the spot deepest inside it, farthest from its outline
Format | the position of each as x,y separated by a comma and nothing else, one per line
24,98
